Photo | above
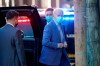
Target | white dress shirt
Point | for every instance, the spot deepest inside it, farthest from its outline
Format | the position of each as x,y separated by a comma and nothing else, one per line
61,33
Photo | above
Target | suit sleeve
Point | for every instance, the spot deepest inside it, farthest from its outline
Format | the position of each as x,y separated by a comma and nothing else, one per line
47,35
20,48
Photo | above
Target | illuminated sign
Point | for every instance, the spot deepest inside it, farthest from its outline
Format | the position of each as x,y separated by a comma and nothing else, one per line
23,19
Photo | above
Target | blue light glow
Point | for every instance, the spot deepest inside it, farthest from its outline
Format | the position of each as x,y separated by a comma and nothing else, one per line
68,14
68,17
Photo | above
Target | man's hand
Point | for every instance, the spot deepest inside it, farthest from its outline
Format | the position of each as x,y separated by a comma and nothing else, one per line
65,45
60,45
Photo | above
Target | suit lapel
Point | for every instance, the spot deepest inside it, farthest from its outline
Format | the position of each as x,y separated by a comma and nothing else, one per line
57,30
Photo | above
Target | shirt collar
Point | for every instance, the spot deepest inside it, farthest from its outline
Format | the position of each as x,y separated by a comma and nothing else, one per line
47,22
10,24
56,23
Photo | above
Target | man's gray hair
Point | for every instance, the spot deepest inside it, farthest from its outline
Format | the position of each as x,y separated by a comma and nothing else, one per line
57,9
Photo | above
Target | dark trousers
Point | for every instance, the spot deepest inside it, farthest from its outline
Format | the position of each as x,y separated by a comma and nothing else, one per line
64,61
50,65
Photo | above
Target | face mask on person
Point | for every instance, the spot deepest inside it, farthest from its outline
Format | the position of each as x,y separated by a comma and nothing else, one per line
49,18
59,20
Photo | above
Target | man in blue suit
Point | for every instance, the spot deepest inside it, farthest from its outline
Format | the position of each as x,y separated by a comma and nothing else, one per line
54,43
11,45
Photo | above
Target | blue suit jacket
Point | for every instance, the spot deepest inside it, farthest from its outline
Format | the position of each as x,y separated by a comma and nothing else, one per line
11,47
51,54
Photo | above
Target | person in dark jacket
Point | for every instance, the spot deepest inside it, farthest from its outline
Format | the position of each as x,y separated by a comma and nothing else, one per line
11,45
